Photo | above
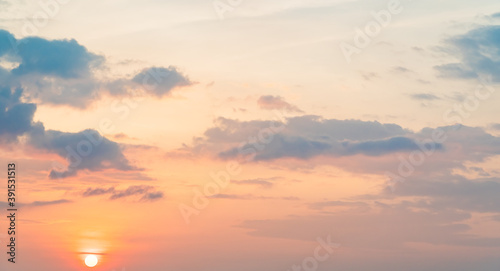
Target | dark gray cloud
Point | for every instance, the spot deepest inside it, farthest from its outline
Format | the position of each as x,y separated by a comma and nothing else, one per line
147,193
269,102
479,54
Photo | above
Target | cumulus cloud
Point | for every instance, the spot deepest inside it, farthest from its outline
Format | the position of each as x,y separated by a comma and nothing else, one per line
16,118
64,72
62,58
85,150
234,131
309,136
378,147
7,41
304,148
269,102
479,54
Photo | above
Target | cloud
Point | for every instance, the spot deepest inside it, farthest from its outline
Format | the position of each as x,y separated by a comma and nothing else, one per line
269,102
309,141
424,97
98,191
401,69
324,204
46,203
260,182
387,227
148,193
451,192
234,131
83,150
7,40
152,196
59,72
159,81
310,136
63,72
250,197
16,118
479,171
479,54
304,148
132,190
495,126
62,58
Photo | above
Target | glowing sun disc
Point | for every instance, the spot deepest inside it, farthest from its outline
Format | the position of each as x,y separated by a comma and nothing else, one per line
91,260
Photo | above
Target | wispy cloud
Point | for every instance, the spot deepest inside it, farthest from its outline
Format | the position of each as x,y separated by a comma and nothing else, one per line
269,102
148,193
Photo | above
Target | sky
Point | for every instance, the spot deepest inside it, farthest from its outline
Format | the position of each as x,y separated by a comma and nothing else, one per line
244,135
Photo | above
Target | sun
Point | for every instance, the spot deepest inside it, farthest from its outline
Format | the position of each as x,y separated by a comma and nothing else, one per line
91,260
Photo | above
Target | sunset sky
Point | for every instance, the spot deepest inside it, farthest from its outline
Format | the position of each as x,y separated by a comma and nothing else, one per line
252,135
